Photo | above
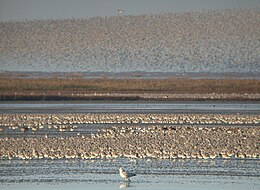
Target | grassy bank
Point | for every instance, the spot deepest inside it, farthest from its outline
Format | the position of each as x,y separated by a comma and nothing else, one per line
128,89
175,85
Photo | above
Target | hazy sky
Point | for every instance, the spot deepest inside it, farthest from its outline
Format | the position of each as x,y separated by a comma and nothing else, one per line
43,9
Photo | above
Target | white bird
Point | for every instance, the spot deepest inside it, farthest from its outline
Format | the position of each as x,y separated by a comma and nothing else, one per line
125,175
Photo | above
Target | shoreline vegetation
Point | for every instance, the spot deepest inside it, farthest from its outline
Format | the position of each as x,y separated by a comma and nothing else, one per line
171,88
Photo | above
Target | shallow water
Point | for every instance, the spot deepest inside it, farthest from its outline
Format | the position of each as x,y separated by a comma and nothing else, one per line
131,107
151,174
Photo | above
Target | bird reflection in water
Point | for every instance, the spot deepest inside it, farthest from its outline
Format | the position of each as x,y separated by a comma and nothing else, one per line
123,185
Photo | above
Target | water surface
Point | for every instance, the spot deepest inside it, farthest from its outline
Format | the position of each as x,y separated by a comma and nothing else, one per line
131,107
151,174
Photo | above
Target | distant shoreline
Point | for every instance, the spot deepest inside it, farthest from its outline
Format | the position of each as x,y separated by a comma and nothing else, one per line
78,88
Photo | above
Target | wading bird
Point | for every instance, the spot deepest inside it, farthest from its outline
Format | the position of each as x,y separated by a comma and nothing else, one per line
125,175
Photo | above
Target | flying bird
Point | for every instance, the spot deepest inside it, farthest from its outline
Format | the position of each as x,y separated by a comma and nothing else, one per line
120,11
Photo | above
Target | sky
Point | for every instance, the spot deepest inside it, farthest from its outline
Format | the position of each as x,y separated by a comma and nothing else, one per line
54,9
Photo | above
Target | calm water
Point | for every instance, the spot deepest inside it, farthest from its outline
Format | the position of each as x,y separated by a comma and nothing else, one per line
151,174
131,107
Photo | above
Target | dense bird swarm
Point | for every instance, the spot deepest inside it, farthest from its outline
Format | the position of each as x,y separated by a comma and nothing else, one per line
213,41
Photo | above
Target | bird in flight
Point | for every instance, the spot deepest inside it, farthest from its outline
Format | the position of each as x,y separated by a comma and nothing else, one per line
120,11
125,175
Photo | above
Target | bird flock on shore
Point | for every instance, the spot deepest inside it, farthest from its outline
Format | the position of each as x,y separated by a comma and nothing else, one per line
162,136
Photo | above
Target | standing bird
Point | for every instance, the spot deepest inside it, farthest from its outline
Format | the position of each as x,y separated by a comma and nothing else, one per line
125,175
